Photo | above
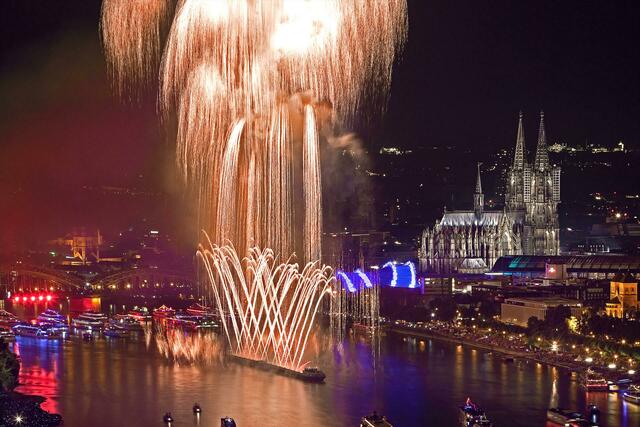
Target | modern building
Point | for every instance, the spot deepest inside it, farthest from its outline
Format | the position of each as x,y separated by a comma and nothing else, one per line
566,267
528,224
517,311
623,296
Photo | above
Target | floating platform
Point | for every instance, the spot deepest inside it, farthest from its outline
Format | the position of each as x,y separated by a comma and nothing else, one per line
311,375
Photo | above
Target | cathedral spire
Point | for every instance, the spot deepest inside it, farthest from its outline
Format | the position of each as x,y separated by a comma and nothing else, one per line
478,181
542,155
519,161
478,197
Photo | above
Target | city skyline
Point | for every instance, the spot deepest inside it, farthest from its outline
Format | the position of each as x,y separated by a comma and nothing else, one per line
319,212
465,73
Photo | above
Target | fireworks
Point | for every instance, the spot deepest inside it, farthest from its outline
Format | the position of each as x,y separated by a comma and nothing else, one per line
269,307
262,62
244,80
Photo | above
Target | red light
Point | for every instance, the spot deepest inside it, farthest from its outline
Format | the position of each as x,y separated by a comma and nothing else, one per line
24,298
17,299
32,298
48,297
40,297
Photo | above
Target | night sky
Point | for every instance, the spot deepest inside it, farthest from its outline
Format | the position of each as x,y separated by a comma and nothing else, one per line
468,68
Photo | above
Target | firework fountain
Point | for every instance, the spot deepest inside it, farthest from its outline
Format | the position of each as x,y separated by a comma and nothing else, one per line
253,84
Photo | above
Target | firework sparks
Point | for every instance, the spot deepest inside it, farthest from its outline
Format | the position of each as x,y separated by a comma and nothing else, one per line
244,79
269,307
225,61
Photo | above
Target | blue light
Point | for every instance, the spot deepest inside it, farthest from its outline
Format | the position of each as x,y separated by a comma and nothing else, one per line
399,275
412,268
365,279
347,281
394,270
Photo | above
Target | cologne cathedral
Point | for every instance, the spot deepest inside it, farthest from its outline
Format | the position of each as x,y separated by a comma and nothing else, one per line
472,240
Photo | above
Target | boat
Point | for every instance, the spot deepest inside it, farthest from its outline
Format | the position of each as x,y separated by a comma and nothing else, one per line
375,420
90,320
565,417
471,415
227,422
592,382
7,335
632,394
35,331
163,312
309,374
114,332
192,322
206,322
140,313
53,318
125,321
9,319
199,310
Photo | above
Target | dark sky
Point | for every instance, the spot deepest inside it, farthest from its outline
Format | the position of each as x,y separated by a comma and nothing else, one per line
468,67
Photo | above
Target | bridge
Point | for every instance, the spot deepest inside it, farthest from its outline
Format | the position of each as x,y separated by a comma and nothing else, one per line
14,273
19,275
144,277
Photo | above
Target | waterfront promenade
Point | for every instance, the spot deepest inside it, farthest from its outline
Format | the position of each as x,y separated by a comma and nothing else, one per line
508,344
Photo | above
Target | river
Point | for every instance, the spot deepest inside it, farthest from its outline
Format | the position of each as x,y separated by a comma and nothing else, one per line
117,382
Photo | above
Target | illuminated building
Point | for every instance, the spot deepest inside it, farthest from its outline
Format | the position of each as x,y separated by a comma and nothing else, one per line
517,311
528,224
83,245
623,296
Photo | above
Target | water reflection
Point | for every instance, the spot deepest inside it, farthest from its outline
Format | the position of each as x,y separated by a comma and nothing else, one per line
180,346
98,383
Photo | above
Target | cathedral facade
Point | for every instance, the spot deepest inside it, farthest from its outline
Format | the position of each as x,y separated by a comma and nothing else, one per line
527,225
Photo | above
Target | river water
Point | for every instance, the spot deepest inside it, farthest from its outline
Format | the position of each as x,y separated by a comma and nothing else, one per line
122,382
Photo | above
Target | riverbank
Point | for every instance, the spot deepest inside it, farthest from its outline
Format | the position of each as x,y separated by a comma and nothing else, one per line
532,356
24,410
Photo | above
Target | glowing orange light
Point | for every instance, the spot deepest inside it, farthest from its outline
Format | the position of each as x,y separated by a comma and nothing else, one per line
48,297
32,298
40,298
24,298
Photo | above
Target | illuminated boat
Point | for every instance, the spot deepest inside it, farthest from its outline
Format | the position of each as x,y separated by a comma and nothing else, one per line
632,394
593,382
7,335
227,422
375,420
125,321
191,322
52,317
200,310
9,319
163,312
565,417
310,374
90,320
471,415
115,332
35,331
140,313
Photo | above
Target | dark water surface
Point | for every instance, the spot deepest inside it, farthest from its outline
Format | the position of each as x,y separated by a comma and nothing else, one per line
117,382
